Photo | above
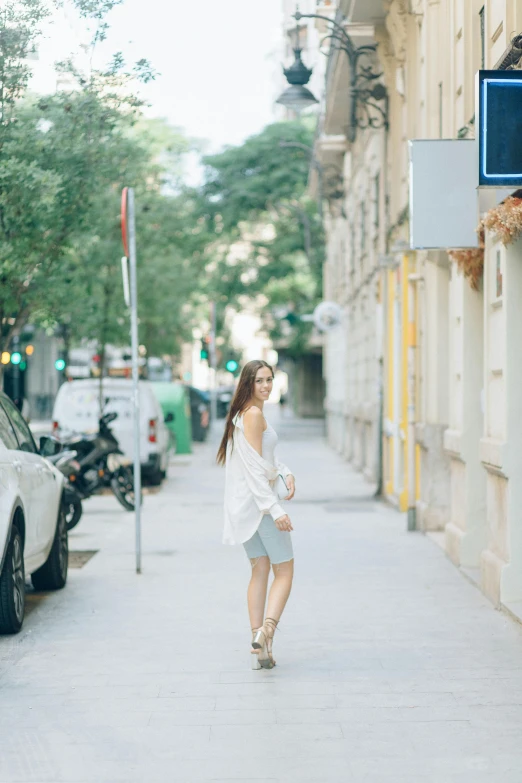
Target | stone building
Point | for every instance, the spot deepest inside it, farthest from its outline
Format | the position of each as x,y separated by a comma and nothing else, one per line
422,378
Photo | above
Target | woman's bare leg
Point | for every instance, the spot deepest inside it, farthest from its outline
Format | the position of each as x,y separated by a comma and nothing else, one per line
277,598
280,589
257,589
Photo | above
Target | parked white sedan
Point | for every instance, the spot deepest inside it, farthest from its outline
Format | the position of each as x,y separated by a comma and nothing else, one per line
33,529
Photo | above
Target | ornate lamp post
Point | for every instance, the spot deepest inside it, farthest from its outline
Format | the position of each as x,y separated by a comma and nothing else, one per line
368,96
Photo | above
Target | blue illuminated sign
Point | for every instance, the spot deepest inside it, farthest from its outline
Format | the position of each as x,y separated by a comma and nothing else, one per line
500,128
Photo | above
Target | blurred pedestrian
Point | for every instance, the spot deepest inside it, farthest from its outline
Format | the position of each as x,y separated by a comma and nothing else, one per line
255,483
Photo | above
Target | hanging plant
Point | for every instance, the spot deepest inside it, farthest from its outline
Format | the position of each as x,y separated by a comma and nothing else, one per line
470,260
505,221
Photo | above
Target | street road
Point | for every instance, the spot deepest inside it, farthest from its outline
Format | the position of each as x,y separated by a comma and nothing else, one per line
391,666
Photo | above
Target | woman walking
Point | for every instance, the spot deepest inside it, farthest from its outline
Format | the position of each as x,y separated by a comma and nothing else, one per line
255,482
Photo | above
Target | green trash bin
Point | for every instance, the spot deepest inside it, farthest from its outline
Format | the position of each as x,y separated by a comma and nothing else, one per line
175,404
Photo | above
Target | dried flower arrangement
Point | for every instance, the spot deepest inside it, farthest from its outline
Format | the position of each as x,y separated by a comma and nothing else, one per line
470,260
505,221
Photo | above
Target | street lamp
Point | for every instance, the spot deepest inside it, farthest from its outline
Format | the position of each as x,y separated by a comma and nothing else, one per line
368,97
297,97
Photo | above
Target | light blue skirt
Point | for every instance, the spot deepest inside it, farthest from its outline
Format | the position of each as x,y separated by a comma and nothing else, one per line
269,541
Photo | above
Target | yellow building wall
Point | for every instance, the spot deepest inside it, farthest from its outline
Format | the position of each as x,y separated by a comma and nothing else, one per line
400,334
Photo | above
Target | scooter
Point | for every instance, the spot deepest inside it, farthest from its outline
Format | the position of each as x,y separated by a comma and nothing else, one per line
101,463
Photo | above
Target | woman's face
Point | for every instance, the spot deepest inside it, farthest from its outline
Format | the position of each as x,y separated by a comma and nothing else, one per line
263,384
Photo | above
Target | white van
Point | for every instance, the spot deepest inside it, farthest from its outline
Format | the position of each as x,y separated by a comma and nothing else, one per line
77,409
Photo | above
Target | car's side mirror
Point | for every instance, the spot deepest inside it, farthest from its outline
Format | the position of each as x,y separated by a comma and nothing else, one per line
49,446
169,417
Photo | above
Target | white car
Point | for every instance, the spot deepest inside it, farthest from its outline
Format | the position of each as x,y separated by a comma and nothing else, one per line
77,409
33,529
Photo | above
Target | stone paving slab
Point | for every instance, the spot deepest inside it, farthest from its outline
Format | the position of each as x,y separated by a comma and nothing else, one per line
392,668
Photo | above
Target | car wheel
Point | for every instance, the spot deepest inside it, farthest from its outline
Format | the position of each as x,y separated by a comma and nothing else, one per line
53,574
12,586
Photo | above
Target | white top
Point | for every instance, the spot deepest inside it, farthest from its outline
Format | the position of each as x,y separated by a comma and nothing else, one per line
270,440
250,484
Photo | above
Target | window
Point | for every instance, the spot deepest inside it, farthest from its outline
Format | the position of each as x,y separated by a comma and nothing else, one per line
7,436
23,433
482,18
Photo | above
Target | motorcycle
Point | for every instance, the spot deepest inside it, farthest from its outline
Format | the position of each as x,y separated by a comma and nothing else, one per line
66,463
101,463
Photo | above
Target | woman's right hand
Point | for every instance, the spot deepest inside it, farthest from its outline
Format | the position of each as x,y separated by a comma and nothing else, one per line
283,523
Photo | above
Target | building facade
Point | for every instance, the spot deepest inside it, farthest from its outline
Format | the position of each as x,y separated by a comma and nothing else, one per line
422,380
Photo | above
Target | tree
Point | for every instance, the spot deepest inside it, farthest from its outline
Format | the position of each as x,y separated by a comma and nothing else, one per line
20,26
267,242
249,231
59,158
148,158
166,277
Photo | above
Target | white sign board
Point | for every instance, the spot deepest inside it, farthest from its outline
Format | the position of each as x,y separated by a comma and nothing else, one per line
443,194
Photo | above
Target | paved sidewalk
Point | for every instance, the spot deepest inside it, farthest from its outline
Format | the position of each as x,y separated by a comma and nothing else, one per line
391,667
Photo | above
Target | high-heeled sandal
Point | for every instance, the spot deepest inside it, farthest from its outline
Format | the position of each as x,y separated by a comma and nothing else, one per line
255,656
263,642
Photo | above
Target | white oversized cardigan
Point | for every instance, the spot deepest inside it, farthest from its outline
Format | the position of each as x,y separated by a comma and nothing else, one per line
249,488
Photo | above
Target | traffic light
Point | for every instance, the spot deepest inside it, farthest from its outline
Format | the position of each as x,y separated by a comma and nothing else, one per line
232,365
205,348
16,357
231,362
60,365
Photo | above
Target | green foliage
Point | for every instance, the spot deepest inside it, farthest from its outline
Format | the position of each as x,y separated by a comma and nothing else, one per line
63,162
61,156
95,9
264,236
92,301
243,182
248,232
20,22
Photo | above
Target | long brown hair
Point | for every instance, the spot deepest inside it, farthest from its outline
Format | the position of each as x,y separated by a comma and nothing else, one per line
242,396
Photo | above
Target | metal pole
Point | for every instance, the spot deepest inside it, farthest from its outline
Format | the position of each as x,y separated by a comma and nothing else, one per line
135,371
213,363
15,347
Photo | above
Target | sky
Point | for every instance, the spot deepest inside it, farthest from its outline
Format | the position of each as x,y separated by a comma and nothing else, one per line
219,61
